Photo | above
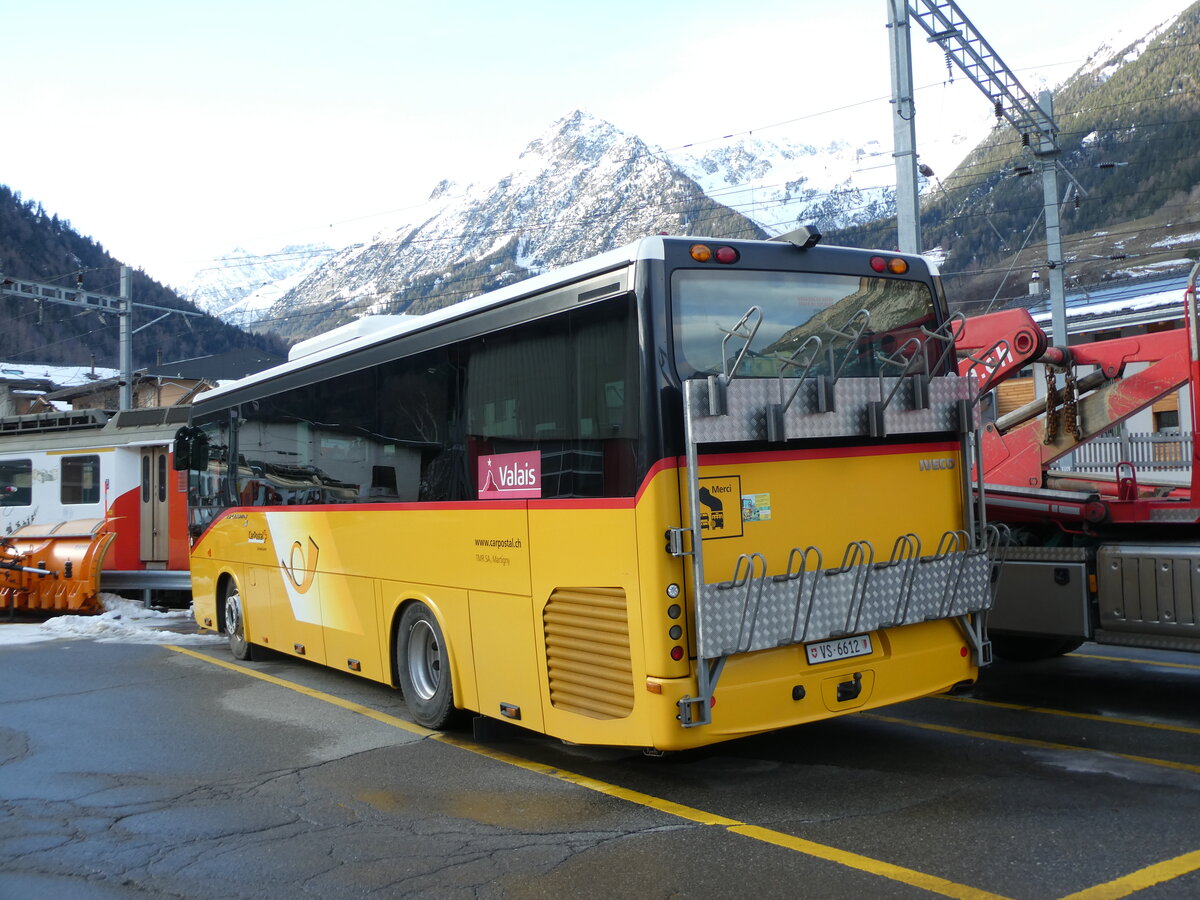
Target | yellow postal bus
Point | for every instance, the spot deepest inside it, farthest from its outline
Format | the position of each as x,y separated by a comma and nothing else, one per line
679,493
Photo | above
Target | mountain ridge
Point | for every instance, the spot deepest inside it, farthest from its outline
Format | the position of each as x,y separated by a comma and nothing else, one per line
583,186
580,188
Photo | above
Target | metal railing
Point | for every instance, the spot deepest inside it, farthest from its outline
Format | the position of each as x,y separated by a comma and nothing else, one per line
1148,451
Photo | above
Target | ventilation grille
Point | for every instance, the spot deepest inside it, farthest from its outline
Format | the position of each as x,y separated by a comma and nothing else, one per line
587,652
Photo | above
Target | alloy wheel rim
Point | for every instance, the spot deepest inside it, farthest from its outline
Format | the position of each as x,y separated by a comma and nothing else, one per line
424,660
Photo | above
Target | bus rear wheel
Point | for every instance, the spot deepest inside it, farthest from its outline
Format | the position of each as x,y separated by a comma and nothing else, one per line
423,666
235,623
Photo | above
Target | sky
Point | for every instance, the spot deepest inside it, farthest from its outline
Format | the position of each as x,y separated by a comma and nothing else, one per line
173,133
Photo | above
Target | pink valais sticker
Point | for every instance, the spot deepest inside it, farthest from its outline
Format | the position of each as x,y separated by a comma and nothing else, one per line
510,475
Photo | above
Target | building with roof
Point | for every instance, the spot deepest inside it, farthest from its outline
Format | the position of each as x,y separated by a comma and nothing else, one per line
27,388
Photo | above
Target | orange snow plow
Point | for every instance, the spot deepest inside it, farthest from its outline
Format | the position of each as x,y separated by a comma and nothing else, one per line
55,568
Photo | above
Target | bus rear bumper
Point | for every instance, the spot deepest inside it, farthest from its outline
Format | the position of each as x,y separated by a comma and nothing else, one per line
779,688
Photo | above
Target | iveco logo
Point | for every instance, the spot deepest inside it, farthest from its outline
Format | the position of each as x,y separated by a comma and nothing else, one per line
930,464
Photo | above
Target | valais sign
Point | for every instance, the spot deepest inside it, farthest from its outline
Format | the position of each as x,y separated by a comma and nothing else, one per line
510,475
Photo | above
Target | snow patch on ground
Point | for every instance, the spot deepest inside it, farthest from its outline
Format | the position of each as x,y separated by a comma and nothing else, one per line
122,622
1192,238
1152,268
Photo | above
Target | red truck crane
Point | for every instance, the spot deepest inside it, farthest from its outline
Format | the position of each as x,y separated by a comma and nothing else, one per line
1115,559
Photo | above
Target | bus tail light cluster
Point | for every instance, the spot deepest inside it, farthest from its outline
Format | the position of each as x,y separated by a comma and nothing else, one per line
724,254
893,264
675,632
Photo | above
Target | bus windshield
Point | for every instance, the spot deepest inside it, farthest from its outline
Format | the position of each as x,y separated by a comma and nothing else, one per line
795,306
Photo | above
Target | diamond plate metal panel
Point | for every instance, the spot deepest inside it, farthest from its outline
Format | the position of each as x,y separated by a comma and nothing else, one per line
748,402
758,612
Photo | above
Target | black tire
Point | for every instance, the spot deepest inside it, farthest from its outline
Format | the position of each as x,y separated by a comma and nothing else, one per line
235,622
1029,648
423,667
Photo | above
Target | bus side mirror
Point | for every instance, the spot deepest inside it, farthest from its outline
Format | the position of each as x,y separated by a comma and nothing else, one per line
191,450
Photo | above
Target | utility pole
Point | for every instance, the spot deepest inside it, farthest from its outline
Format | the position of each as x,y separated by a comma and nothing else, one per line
952,31
101,303
126,339
904,130
1047,154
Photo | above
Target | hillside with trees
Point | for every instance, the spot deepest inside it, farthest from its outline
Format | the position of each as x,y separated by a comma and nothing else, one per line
1130,138
41,247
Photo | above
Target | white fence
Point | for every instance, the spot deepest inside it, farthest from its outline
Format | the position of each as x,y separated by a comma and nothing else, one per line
1149,452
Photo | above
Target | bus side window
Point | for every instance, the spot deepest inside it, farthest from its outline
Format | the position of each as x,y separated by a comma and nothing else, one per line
557,386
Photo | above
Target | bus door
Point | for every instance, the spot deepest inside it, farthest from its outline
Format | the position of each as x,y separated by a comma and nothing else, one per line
153,509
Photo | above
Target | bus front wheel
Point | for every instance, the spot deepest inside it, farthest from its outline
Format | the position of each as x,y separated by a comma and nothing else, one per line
423,666
235,623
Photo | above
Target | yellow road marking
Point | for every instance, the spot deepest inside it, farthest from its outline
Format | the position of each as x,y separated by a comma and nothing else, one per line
602,787
1030,742
1112,890
931,883
866,864
1143,662
384,718
1091,717
1141,879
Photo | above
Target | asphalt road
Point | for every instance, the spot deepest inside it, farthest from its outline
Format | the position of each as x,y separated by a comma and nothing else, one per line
146,771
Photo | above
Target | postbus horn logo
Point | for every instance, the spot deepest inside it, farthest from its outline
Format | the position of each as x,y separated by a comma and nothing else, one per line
308,570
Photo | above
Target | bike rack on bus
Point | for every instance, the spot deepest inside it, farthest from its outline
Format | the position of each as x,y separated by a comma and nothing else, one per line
754,610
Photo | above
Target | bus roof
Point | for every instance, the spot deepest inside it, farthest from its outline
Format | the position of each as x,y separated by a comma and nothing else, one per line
371,331
351,337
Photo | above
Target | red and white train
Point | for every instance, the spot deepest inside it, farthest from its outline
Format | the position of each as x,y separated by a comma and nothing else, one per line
85,493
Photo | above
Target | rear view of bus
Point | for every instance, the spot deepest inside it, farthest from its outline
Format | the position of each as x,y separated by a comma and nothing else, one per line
834,560
679,493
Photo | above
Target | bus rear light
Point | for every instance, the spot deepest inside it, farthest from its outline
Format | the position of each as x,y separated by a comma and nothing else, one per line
653,687
677,653
704,253
895,265
963,651
676,632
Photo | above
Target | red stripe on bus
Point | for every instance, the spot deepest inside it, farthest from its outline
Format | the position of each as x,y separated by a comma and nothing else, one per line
663,465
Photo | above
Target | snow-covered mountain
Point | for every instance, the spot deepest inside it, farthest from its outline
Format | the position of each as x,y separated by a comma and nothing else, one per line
584,186
781,185
241,286
581,188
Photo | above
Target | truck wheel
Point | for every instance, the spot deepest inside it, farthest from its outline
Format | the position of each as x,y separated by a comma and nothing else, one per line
235,623
423,665
1029,648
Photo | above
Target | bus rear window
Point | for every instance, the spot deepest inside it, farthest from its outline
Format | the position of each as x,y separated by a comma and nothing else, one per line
708,303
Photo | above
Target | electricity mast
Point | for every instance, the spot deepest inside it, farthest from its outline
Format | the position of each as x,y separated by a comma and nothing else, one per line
122,306
952,31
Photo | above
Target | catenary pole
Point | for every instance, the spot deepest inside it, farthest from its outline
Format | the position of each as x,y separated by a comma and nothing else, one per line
904,131
1047,155
126,339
